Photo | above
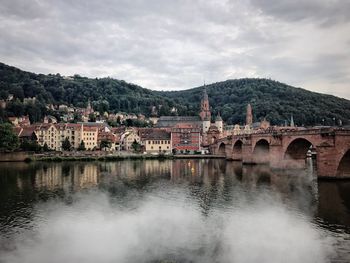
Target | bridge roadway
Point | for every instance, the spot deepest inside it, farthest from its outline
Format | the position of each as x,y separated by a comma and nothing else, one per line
287,149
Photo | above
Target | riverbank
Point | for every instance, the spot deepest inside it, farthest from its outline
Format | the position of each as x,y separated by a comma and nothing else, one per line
94,156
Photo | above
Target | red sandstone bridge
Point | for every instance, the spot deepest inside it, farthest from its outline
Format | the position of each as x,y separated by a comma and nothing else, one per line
288,149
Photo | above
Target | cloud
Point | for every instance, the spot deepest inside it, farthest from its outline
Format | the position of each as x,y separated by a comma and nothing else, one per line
176,44
323,12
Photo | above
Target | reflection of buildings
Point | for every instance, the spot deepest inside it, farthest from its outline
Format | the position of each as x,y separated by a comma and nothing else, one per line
66,176
209,183
137,168
49,177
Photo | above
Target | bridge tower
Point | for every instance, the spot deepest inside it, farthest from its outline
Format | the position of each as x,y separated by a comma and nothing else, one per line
249,116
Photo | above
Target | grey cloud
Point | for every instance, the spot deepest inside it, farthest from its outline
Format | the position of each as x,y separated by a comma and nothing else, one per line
174,44
325,12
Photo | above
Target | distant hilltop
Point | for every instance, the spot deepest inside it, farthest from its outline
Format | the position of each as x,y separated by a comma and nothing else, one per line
30,94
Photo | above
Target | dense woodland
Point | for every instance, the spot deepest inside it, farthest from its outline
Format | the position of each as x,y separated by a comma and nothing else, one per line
271,99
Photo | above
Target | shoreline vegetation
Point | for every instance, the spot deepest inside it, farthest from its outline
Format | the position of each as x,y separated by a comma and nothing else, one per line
59,157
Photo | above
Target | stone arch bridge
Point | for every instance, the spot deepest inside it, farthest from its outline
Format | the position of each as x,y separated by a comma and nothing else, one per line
289,148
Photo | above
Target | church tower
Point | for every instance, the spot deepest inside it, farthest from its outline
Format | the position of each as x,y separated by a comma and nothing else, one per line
249,117
205,110
205,114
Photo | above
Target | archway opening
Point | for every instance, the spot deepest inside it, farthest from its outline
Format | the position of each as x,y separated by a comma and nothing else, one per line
237,150
299,153
221,150
261,153
344,165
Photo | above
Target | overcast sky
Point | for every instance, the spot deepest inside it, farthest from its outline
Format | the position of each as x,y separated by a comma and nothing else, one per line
176,44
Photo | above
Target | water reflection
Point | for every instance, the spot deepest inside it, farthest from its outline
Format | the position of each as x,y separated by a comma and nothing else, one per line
205,196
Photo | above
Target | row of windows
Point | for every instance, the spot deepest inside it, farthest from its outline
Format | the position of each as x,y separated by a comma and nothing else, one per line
158,142
89,133
160,147
89,139
186,130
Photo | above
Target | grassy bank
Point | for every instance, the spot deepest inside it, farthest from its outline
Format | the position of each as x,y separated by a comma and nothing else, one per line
60,158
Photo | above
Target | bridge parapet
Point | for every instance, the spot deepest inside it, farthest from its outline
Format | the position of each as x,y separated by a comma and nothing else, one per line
288,148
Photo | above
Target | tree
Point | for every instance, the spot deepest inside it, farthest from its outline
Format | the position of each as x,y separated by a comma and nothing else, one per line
92,117
30,145
81,146
136,146
119,121
77,117
66,145
105,144
46,147
8,139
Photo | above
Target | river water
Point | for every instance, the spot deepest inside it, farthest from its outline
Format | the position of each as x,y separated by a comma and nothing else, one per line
170,211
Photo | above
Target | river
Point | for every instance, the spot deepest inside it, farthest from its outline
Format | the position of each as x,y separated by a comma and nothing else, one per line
186,210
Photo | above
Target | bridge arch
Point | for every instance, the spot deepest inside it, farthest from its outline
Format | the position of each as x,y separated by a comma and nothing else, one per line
296,153
222,149
297,149
237,150
344,165
261,152
262,146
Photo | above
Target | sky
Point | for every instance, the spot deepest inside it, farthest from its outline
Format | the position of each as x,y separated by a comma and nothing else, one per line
179,44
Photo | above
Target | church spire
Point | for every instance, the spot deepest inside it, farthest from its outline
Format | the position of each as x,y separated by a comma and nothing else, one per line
205,109
205,94
249,116
292,121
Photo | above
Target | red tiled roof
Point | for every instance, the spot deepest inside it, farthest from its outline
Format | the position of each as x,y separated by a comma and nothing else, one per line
27,131
158,135
93,129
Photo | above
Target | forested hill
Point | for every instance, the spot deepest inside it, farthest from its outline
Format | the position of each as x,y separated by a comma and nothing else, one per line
106,94
271,99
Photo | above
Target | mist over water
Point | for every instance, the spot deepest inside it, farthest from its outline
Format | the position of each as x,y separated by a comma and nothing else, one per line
165,212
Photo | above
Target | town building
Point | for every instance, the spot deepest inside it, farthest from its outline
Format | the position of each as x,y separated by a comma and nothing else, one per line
89,136
49,135
50,119
3,104
158,141
186,138
127,139
111,139
20,121
26,133
208,131
168,122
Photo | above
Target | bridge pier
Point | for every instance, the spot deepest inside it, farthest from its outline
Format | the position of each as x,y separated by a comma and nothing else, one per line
247,155
276,157
228,152
327,161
